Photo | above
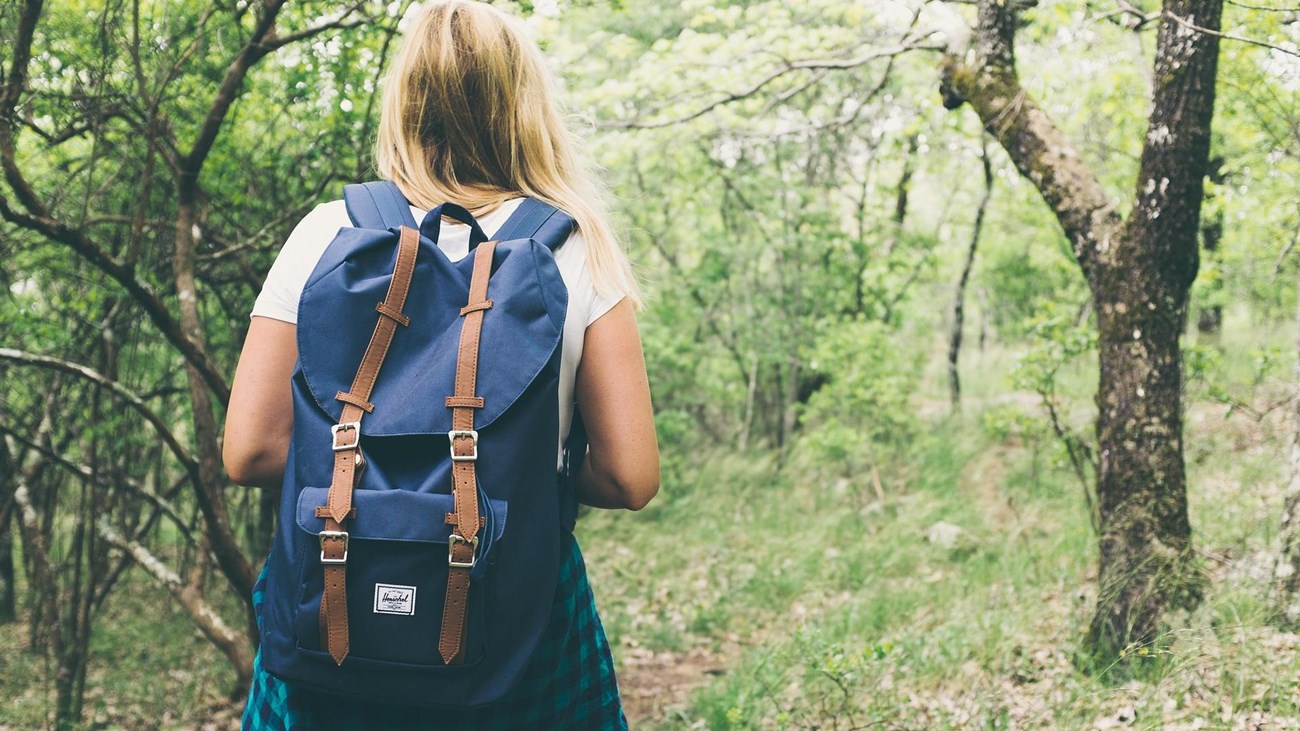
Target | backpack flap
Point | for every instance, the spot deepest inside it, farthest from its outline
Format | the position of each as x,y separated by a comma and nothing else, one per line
396,574
403,516
520,333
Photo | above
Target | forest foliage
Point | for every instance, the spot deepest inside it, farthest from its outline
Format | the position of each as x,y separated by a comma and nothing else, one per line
811,221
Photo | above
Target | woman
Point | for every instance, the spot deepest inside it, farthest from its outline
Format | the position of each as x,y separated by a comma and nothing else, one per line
469,116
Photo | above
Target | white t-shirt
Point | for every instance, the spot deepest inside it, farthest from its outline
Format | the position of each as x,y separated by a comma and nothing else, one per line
284,283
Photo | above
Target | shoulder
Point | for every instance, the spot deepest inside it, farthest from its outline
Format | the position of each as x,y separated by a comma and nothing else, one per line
297,258
571,259
314,233
326,218
586,300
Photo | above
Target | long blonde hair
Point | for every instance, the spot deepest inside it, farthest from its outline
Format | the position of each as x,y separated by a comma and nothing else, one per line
469,115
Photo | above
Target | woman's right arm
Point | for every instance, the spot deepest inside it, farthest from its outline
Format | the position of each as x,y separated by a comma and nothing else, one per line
259,419
622,465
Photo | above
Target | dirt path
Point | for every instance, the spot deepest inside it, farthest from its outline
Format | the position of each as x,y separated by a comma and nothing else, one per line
656,685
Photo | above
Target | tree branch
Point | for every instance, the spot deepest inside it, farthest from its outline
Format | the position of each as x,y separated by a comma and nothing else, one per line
126,276
234,646
780,71
1171,175
1231,36
86,473
37,217
1037,147
339,23
123,393
252,52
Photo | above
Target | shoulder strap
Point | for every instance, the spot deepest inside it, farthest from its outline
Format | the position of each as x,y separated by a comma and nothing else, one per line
346,443
462,544
534,219
378,205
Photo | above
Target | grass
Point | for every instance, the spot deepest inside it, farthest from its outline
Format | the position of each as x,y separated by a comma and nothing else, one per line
832,608
150,668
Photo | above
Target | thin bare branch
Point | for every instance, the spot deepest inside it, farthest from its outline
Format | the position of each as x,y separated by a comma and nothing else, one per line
86,473
231,644
861,59
1283,254
122,392
159,314
342,22
1265,8
1232,36
252,52
35,216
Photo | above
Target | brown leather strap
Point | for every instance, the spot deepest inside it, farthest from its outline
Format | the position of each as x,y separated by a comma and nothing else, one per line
347,450
483,305
395,315
348,398
461,549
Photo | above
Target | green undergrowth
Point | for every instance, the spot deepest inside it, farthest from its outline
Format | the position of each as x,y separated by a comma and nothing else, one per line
150,668
953,594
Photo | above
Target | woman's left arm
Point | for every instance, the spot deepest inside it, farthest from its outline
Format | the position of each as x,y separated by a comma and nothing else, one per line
259,419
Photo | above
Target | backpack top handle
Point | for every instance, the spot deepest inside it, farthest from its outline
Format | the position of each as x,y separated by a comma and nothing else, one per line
380,205
432,223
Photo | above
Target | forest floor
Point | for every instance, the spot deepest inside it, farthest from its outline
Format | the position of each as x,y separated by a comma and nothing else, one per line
956,601
951,594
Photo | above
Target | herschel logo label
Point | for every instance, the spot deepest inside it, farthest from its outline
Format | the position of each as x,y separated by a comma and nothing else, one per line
394,599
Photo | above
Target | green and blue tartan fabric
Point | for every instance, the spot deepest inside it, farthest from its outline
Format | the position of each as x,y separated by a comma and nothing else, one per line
569,684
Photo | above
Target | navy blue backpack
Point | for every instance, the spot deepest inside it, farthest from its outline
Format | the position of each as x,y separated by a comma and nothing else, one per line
421,516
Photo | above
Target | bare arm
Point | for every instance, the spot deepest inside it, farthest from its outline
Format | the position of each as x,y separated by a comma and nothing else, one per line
260,417
622,465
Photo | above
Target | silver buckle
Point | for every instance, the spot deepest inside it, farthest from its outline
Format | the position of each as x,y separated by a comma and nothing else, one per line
330,534
345,426
451,544
455,434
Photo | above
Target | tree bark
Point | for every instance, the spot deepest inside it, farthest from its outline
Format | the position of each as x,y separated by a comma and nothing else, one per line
8,592
1288,563
208,491
45,584
8,517
1139,271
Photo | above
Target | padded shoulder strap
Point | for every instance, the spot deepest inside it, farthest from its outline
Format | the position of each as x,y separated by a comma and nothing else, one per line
378,205
533,219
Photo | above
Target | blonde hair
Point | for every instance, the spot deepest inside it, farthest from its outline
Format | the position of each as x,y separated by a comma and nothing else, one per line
469,115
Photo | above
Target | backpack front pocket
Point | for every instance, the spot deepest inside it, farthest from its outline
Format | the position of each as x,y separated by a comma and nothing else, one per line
397,567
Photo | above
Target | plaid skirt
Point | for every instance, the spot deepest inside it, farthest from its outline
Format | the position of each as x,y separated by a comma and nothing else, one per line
569,683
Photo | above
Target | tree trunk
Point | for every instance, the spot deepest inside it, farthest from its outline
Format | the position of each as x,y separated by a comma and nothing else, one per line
208,493
1210,320
8,516
1288,563
959,299
1140,272
8,592
1147,564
